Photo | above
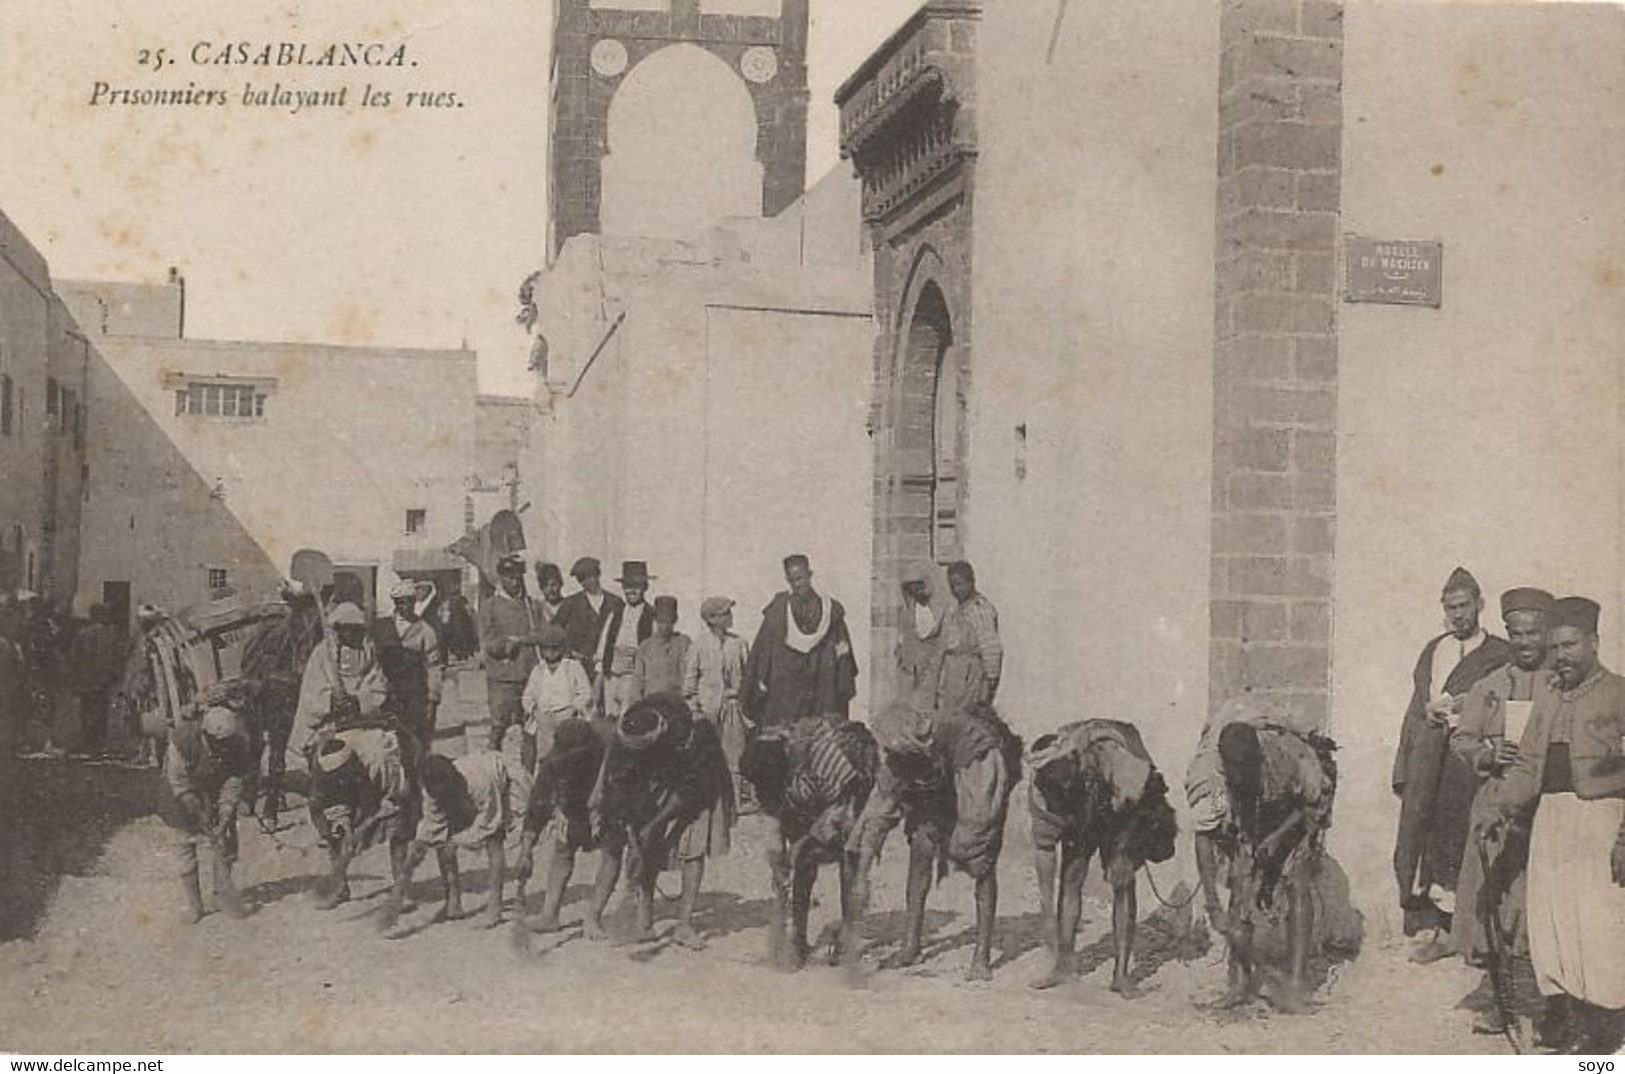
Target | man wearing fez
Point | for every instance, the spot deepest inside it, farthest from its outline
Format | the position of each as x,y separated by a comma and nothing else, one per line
509,620
1570,769
1493,716
801,664
1434,785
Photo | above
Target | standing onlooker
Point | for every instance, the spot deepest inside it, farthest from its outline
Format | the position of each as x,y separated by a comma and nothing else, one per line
972,653
801,664
409,652
550,584
140,707
1569,769
95,661
1493,716
714,679
459,635
342,681
658,666
919,641
509,620
627,628
556,691
41,640
1435,787
586,614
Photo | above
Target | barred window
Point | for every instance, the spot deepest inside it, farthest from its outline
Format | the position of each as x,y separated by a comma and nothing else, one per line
219,579
216,400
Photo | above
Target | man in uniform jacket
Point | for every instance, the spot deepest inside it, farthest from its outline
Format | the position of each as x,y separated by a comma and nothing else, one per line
509,621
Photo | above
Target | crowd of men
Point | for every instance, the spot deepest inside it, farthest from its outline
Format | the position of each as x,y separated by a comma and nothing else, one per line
1511,844
644,745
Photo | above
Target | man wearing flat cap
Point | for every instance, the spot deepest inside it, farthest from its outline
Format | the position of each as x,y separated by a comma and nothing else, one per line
1493,716
714,681
586,616
801,664
410,654
508,621
1435,786
1570,770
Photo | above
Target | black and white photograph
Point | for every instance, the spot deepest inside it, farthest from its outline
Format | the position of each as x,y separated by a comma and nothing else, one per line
882,527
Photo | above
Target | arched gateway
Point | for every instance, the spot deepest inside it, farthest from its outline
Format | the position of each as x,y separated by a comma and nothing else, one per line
907,125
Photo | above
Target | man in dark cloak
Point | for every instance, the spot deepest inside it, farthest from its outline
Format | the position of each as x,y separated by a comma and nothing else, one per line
1435,786
801,665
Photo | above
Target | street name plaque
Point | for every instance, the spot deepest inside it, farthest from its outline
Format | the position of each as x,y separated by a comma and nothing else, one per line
1392,271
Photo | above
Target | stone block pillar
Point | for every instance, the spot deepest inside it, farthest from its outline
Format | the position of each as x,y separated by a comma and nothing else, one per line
1275,353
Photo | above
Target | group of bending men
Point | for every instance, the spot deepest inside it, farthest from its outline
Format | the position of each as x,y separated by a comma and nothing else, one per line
1511,844
639,744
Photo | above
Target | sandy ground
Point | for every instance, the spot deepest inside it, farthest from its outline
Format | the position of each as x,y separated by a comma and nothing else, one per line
109,967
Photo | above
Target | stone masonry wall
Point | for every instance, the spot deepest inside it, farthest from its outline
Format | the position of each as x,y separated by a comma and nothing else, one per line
1275,352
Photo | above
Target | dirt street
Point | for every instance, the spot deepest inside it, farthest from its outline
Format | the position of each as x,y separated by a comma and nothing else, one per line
109,968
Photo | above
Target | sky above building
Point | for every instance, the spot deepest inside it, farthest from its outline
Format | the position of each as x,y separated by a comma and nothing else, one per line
406,225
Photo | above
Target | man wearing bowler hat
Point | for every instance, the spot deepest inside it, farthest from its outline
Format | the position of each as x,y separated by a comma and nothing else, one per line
631,626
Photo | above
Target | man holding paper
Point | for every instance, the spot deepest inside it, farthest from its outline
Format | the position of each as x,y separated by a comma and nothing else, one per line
1436,787
1493,716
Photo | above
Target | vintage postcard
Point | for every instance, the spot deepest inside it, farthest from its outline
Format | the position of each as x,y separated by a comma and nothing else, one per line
812,526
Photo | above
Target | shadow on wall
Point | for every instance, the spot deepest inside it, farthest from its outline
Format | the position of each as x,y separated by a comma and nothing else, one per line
151,518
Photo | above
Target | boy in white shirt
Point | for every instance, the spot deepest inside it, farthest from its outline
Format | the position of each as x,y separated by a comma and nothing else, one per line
558,688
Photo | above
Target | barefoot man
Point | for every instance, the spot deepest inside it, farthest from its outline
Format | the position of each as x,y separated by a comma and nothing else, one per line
469,802
665,794
1094,789
559,814
1280,786
947,779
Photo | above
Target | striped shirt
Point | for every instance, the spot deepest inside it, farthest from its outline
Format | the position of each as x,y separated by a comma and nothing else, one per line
973,627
